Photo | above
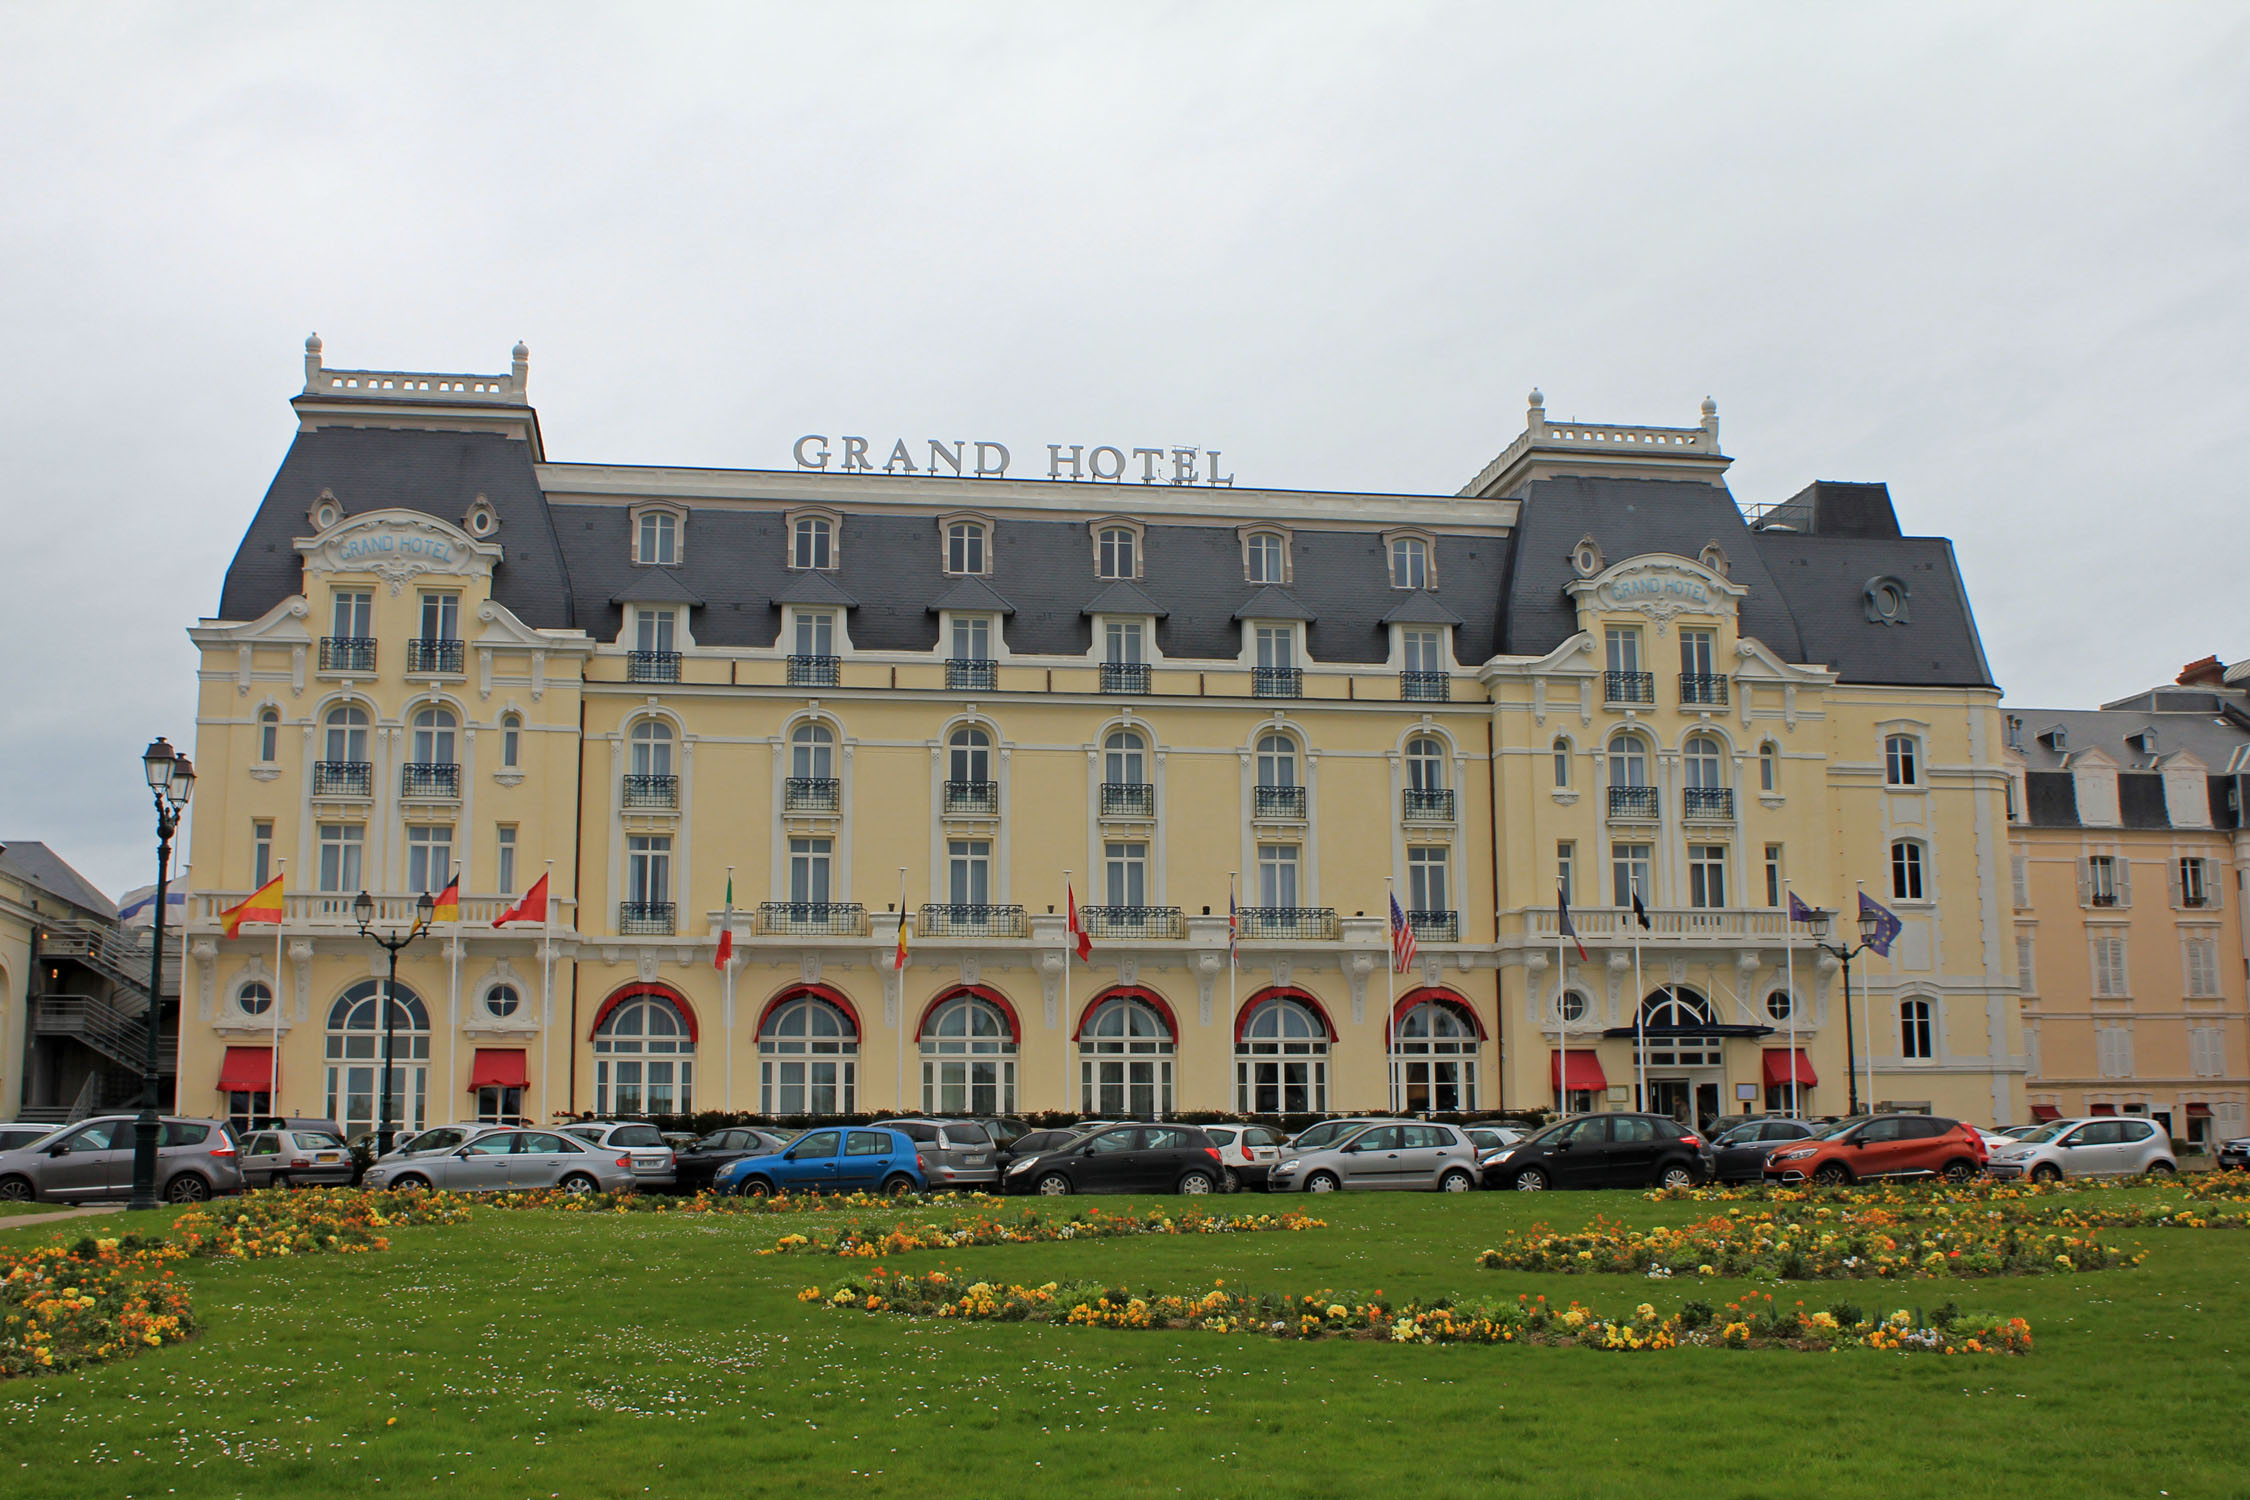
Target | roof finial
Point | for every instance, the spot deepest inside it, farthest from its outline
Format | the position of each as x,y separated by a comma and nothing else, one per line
312,344
1710,407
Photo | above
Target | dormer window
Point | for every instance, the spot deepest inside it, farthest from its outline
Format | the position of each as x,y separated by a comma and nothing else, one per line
2011,731
1265,557
1410,562
1117,552
656,540
2056,739
812,544
965,547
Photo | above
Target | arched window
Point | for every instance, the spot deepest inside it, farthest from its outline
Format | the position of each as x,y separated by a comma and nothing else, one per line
1262,558
1425,764
1410,563
969,757
1706,762
254,998
1115,555
1916,1040
659,538
1125,1055
1277,760
1281,1060
1628,761
964,547
433,737
814,543
651,742
269,735
1769,767
355,1058
808,1060
812,753
1906,870
1901,761
644,1059
1677,1025
1125,758
1562,763
968,1059
347,733
1434,1059
511,741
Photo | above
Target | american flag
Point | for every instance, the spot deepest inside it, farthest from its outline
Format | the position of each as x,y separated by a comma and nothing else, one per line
1402,937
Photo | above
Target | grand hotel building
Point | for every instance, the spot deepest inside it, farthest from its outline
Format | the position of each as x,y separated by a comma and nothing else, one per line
876,696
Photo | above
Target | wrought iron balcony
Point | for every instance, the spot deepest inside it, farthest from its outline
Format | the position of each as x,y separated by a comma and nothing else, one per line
1132,921
645,918
1703,687
1128,799
1428,805
433,656
945,919
439,779
1435,926
973,798
652,666
1425,687
1124,676
1628,687
347,653
1310,922
1278,802
812,794
343,778
1711,804
970,672
812,918
815,671
1632,802
647,793
1277,682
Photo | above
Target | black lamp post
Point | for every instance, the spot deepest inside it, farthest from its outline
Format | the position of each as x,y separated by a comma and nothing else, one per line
1820,921
171,781
364,909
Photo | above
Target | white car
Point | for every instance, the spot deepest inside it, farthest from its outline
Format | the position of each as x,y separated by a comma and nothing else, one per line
1997,1140
1247,1151
2096,1146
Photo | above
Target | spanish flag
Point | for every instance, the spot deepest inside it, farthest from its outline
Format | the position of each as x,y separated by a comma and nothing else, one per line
448,902
261,905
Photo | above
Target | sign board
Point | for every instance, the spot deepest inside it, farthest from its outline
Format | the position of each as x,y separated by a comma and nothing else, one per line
1101,463
1746,1093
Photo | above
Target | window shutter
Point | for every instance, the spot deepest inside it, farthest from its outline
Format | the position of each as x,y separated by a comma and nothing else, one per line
2026,979
2021,869
2172,872
2124,868
2031,1048
2085,881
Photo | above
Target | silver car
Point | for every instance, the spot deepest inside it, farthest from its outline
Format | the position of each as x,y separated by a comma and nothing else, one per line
655,1165
14,1137
296,1158
509,1161
94,1160
2095,1146
1402,1157
954,1153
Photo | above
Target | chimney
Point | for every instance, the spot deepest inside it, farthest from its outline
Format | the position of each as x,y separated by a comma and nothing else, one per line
2205,673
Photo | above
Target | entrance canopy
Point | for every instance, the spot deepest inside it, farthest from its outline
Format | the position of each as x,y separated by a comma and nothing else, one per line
246,1070
499,1068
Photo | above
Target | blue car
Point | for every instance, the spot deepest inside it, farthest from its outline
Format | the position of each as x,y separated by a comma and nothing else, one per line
862,1160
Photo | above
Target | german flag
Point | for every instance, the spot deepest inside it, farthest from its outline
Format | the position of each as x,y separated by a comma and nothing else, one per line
448,902
261,905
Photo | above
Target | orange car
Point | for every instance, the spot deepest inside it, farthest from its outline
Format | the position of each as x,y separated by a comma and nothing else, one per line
1882,1146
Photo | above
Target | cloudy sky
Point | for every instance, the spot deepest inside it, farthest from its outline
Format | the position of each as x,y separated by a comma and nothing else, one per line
1993,255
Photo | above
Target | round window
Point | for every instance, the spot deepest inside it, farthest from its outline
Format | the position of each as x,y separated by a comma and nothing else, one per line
327,515
1779,1005
1573,1006
501,1000
255,999
481,522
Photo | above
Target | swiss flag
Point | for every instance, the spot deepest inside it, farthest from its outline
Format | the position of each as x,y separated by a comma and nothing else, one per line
1078,937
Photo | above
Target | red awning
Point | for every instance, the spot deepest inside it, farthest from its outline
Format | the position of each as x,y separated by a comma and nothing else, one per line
1585,1070
247,1070
499,1068
2101,1109
1777,1068
2199,1111
2045,1112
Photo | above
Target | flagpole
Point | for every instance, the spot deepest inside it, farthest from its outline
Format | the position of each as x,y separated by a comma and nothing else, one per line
453,985
546,995
1562,1015
727,987
1640,1023
1069,916
1390,984
1234,1013
1860,886
273,1084
1789,962
898,967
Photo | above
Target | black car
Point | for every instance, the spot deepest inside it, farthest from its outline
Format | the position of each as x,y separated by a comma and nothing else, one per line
1122,1159
700,1161
2234,1155
1604,1151
1740,1154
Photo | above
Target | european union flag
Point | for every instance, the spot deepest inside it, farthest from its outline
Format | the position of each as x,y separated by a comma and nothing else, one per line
1886,924
1798,911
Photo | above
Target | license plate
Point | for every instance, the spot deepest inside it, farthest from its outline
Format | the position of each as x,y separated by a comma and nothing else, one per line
327,1156
972,1161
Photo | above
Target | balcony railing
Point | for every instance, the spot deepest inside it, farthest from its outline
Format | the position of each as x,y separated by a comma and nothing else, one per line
815,671
347,653
433,656
1278,802
973,798
1435,926
944,919
1425,687
343,778
429,779
645,918
652,666
1718,925
812,794
1428,805
812,918
1128,799
648,793
1124,676
1703,687
1628,687
1277,682
1311,922
1132,921
1632,802
963,672
1711,804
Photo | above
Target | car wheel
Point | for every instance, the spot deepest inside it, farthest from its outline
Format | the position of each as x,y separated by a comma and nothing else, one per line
412,1182
2046,1171
1832,1174
1195,1184
579,1182
186,1188
16,1190
1323,1182
1675,1176
1531,1180
2161,1168
1055,1185
758,1187
1455,1182
1234,1183
899,1186
1959,1170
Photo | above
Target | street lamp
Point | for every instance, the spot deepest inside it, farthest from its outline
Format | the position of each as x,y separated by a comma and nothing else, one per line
1869,925
171,781
363,908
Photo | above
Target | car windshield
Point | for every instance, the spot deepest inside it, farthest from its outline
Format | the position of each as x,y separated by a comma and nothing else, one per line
1743,1134
1837,1129
2046,1133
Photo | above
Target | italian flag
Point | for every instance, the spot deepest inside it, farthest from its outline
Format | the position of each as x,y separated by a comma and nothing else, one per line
726,930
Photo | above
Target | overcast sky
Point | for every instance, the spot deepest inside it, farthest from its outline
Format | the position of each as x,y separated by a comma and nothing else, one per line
1995,256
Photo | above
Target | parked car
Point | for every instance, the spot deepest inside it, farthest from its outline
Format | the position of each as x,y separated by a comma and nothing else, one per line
1031,1143
1993,1139
510,1160
195,1159
1882,1146
1740,1154
655,1165
14,1137
2103,1146
1406,1156
837,1160
304,1156
1124,1159
1248,1152
438,1138
1328,1132
1606,1150
2234,1155
1490,1138
954,1153
2023,1132
694,1167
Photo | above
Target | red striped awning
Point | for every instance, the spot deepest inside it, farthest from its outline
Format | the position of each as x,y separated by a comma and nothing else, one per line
1778,1068
499,1068
2199,1111
246,1070
2045,1112
2101,1109
1585,1070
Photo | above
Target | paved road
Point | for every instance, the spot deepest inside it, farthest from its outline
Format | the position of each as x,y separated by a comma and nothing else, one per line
24,1221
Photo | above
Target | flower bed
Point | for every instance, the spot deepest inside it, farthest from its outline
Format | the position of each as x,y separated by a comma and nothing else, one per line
1030,1228
99,1299
729,1203
1753,1323
310,1221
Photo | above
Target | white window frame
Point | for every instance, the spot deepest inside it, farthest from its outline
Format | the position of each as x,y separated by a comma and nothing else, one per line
665,525
1910,875
968,547
1917,1029
1902,761
810,532
1134,540
1408,553
1265,557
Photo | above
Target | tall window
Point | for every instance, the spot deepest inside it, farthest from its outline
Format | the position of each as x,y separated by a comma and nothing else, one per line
644,1060
1900,767
816,632
1125,1053
1410,563
1434,1060
972,638
1425,764
504,859
429,858
2194,881
654,629
511,741
346,738
1707,875
261,852
1125,873
441,617
1277,875
1906,870
809,862
1426,885
1706,762
355,1058
808,1060
1774,875
1125,759
1697,653
269,735
969,755
1281,1060
1277,760
1116,553
1562,763
1624,643
968,1059
2202,966
1277,645
340,846
812,753
964,547
659,538
354,614
648,869
433,737
1628,873
1769,767
1566,860
968,872
2110,977
1424,650
651,748
1124,640
1263,557
1915,1040
2105,881
1628,761
815,539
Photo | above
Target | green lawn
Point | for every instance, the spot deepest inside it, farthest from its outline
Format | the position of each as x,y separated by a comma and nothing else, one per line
544,1354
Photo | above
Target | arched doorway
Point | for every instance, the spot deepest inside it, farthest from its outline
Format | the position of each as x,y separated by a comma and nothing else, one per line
355,1059
1681,1055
